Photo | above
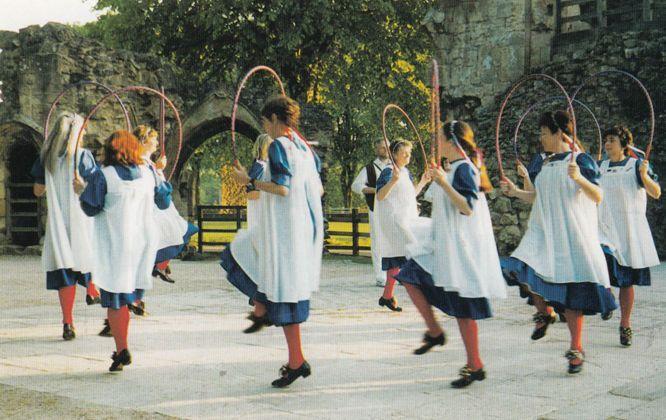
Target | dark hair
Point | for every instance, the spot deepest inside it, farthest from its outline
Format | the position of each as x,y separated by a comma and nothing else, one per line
623,133
557,120
122,148
284,108
462,133
560,120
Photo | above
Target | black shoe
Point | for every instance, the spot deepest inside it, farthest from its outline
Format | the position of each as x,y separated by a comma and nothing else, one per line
562,317
545,320
575,355
68,332
289,375
392,304
168,270
106,331
607,315
139,309
430,342
162,275
121,359
467,377
93,300
625,336
258,323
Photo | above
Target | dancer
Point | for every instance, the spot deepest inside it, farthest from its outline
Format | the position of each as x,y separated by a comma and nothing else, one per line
290,230
365,184
66,256
397,215
627,181
450,276
175,232
121,196
560,259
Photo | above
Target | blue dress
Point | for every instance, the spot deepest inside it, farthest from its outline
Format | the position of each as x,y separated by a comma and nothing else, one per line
279,313
588,297
622,276
449,302
57,279
92,203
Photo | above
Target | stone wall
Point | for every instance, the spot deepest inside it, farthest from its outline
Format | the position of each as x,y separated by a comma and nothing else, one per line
482,43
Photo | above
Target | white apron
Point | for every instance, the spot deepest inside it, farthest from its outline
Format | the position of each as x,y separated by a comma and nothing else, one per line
245,246
253,206
68,238
464,256
561,243
623,225
292,231
171,227
398,218
125,235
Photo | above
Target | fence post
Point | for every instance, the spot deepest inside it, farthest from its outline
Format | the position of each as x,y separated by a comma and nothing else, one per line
355,232
238,218
200,233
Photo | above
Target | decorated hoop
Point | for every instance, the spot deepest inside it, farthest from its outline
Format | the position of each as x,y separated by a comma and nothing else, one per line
411,124
135,89
645,92
237,98
162,123
435,115
533,106
506,100
82,83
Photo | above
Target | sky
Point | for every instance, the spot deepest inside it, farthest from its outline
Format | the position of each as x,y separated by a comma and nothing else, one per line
16,14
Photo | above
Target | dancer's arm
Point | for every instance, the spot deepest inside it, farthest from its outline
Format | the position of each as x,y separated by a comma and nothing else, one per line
458,200
38,174
425,179
587,180
386,182
525,175
651,186
510,190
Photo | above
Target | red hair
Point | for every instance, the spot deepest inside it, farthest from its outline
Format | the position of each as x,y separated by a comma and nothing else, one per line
122,147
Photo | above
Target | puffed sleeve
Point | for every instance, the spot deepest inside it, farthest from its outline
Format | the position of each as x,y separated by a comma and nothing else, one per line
588,168
87,165
650,173
384,178
38,172
279,164
163,195
92,198
464,183
535,165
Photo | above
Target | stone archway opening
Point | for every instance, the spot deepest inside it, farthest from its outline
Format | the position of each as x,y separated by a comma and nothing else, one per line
23,212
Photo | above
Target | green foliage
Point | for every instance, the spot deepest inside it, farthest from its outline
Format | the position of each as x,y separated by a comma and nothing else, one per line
348,57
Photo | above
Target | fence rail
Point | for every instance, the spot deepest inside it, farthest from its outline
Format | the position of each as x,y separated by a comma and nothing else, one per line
227,220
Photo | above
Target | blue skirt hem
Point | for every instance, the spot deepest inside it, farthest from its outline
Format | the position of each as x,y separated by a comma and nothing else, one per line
57,279
622,276
451,303
279,313
173,251
118,300
590,298
393,262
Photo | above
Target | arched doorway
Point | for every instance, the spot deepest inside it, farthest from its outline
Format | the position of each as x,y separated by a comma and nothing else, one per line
22,210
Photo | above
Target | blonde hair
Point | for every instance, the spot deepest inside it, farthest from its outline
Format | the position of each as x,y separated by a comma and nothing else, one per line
260,147
62,140
144,132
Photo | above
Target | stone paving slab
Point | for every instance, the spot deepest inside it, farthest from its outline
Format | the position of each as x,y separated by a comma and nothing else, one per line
191,359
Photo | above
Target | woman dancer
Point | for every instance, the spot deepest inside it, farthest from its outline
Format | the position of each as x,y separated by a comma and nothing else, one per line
66,257
290,233
398,215
121,197
463,269
627,181
560,258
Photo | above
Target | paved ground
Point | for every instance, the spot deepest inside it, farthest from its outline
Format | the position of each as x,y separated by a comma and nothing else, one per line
191,359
